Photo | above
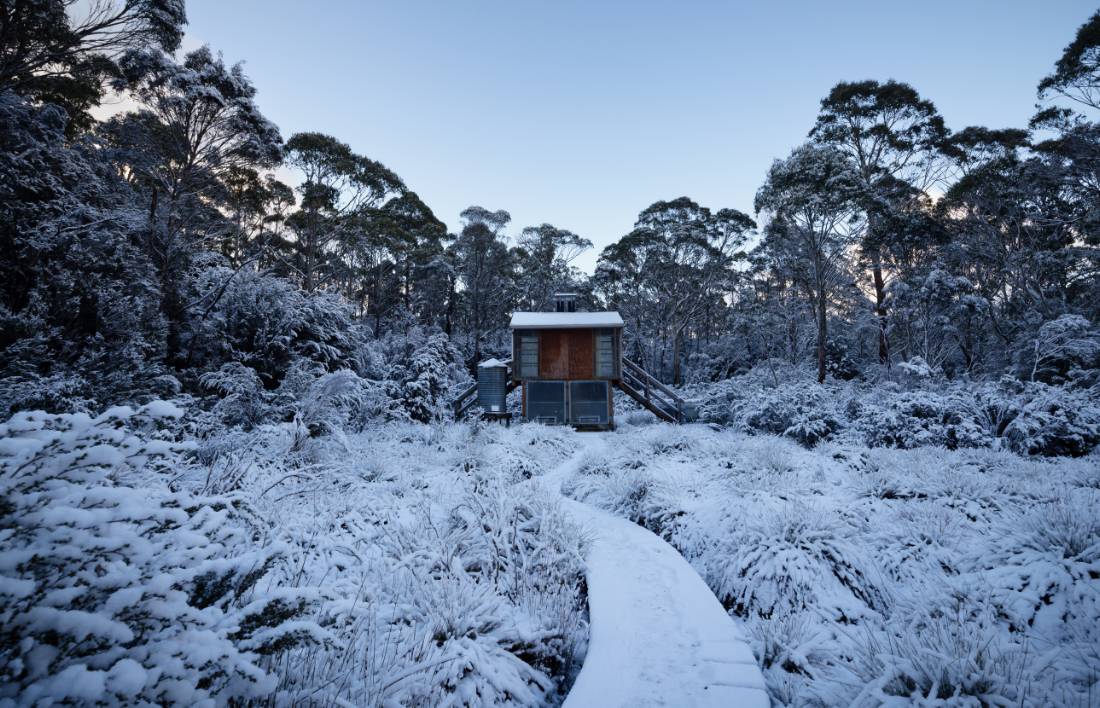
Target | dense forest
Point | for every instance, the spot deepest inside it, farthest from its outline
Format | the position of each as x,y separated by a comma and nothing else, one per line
168,303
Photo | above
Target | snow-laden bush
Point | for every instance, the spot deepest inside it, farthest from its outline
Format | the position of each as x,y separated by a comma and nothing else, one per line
921,418
1054,421
906,410
331,402
807,414
943,648
880,576
243,400
500,583
421,386
1065,350
267,324
447,577
1045,561
792,559
31,391
793,651
117,594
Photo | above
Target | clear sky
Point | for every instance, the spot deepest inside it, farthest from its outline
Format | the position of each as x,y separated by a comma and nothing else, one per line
581,114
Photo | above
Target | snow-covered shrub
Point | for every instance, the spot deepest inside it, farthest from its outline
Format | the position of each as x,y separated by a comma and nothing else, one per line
884,575
1055,421
804,412
919,538
1045,561
524,546
243,401
793,559
793,651
117,594
55,393
944,649
447,579
1065,350
918,418
420,387
332,402
267,324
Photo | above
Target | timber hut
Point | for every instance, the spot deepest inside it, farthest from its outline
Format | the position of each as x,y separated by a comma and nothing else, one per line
566,362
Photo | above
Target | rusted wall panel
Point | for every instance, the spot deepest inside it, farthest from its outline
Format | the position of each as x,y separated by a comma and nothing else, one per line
582,357
553,354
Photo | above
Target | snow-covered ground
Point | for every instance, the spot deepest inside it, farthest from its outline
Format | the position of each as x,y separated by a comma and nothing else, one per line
410,564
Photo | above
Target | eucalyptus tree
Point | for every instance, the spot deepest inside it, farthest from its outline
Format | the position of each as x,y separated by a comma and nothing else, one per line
892,137
1073,154
338,194
485,277
64,51
665,274
198,125
419,238
813,202
544,255
256,206
1076,75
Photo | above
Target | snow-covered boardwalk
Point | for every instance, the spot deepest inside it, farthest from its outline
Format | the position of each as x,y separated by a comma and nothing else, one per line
659,637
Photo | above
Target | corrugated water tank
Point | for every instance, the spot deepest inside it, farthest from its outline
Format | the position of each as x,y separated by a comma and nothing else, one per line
492,385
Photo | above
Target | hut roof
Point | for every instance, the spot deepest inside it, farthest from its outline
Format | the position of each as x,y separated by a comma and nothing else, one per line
565,320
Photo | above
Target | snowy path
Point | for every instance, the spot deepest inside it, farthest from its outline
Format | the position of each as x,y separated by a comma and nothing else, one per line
659,637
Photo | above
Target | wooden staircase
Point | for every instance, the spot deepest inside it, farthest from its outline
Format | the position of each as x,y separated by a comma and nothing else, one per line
651,394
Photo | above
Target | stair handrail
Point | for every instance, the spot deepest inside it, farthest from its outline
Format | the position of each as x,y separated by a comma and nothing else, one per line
647,378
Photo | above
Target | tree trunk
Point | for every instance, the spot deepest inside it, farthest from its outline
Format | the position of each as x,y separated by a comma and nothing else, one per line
677,345
880,312
822,338
171,306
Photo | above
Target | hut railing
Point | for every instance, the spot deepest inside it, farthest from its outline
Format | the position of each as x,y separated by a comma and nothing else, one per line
640,385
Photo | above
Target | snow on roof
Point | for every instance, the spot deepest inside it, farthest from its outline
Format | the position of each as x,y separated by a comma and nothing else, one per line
565,320
490,363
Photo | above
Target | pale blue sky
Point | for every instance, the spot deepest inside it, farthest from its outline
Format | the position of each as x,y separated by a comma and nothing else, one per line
581,114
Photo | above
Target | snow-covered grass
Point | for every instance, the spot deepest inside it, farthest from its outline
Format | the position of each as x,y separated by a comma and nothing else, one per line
405,564
448,580
872,575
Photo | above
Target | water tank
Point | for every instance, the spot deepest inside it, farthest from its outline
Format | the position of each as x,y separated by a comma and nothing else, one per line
492,385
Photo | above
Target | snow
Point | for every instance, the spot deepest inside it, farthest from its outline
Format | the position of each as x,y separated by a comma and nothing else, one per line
565,320
466,563
658,636
491,363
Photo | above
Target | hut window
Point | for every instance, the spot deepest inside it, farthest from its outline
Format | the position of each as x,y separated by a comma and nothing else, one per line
528,356
605,354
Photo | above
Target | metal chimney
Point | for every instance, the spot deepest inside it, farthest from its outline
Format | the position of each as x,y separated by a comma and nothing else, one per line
565,302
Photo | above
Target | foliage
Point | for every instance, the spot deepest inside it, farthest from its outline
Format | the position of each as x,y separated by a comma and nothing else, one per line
121,593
